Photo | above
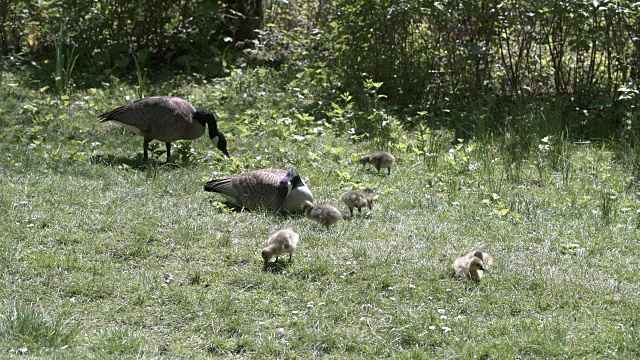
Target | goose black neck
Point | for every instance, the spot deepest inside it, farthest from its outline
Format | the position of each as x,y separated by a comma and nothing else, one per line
296,181
205,117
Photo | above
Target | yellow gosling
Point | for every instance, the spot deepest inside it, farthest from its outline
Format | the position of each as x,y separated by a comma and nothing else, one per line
280,242
487,259
356,199
326,215
379,159
465,267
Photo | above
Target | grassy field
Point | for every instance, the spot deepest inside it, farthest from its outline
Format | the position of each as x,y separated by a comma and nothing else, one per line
89,232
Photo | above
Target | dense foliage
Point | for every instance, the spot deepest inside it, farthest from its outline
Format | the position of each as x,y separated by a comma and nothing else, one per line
106,35
443,60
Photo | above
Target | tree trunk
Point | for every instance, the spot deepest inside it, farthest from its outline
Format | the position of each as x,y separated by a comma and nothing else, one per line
249,16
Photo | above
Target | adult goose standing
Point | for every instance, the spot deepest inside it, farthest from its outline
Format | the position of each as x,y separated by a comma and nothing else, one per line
272,189
166,118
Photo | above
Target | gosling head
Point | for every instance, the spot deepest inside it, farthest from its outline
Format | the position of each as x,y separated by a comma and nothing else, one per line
267,254
307,206
369,201
364,160
478,254
476,264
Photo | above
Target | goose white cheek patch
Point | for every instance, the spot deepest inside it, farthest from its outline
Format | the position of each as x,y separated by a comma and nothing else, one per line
214,140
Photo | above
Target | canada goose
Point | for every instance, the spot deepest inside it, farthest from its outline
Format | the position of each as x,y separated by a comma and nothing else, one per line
468,267
273,189
166,118
487,259
280,242
326,215
356,199
379,159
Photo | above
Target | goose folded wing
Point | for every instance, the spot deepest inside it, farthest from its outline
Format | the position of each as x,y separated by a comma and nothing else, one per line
265,190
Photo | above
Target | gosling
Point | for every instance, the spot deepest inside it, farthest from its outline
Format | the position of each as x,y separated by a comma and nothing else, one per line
280,242
379,159
356,199
326,215
487,259
465,267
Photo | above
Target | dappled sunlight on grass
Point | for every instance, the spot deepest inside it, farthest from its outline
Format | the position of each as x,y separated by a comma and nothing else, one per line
143,262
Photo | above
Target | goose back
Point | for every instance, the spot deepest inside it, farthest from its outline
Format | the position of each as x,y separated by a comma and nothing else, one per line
164,118
274,189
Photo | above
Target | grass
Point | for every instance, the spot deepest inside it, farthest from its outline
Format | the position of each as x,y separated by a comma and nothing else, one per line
89,232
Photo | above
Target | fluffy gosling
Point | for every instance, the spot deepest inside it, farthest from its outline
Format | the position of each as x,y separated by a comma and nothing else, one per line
280,242
356,199
465,267
326,215
379,159
487,259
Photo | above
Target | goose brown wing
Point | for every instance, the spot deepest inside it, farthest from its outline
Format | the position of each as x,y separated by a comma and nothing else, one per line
223,186
158,112
260,188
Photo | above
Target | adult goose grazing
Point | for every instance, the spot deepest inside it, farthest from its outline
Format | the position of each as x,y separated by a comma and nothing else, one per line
272,189
166,118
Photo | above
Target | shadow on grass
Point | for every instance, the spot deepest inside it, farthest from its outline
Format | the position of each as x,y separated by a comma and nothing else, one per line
110,160
138,163
276,267
374,172
230,207
357,217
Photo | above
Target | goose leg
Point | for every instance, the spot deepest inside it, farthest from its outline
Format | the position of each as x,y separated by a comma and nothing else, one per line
145,146
290,257
351,211
389,170
168,151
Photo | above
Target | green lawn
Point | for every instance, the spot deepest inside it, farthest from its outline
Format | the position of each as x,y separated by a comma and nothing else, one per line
89,232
